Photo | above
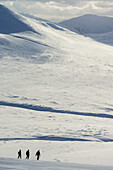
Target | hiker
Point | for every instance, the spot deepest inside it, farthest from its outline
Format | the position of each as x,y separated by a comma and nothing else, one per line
37,154
19,154
27,154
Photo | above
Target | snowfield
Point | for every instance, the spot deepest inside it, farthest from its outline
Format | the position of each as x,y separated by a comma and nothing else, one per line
56,95
6,164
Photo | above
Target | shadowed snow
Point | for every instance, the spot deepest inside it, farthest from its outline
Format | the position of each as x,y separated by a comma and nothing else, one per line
11,23
50,109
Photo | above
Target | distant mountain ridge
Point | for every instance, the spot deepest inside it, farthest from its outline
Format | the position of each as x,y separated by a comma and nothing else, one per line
89,24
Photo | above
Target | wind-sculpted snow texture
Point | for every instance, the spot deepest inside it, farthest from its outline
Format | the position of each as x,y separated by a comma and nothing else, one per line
55,92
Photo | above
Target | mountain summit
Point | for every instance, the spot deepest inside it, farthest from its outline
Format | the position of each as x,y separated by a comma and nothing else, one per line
10,22
89,24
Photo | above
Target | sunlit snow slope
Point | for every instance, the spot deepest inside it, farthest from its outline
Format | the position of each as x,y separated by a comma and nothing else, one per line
55,92
6,164
55,67
90,24
99,28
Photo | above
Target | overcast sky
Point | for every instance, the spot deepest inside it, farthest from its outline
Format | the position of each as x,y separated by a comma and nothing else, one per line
58,10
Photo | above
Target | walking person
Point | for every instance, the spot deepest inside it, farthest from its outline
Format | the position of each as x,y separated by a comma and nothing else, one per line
38,154
27,154
19,154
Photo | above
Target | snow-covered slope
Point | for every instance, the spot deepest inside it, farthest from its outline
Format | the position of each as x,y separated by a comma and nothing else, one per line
6,164
55,93
11,23
100,28
89,24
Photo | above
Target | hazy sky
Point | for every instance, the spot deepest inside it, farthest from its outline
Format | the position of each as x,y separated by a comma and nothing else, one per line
58,10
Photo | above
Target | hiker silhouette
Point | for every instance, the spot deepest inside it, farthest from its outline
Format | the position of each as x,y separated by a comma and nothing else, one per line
19,154
38,154
27,154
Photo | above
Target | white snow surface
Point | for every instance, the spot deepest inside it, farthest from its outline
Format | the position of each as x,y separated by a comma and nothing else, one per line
56,95
6,164
89,24
100,28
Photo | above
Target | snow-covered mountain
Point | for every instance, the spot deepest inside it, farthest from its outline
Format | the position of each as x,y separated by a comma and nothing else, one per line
89,24
55,92
100,28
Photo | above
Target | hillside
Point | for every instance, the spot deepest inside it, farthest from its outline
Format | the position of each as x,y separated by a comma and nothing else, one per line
73,70
10,22
89,24
100,28
6,164
55,93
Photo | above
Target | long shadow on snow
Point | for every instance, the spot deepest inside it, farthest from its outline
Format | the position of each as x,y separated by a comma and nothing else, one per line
108,109
55,26
30,40
47,138
49,109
